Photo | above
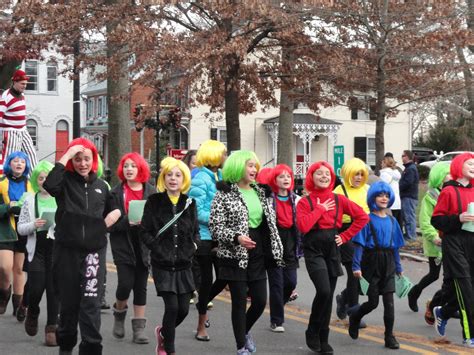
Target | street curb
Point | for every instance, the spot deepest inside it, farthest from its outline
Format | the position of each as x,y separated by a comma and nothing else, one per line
414,257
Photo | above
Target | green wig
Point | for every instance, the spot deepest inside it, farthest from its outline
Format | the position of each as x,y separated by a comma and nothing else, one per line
351,168
234,167
42,167
437,175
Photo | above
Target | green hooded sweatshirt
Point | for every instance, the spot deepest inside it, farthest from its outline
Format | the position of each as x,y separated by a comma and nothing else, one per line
429,233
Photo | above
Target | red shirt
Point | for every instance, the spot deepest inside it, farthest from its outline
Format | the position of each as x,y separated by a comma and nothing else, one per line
129,195
284,213
306,219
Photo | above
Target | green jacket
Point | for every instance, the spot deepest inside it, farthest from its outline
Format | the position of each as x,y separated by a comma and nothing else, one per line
428,232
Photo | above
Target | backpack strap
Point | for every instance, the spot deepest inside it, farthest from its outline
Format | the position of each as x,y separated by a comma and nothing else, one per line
344,190
310,203
176,216
458,194
336,199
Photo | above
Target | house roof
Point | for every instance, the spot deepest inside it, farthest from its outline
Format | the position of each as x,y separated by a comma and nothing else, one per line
304,118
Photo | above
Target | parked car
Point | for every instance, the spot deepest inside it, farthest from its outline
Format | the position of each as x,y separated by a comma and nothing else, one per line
446,157
422,154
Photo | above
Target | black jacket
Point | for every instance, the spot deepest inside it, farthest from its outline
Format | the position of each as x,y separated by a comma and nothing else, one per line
174,249
408,184
82,207
121,233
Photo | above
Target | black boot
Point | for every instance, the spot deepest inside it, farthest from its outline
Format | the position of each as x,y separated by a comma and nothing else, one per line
312,341
324,338
16,302
391,342
413,298
354,323
4,298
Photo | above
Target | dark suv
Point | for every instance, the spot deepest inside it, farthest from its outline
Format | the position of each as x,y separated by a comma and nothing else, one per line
422,154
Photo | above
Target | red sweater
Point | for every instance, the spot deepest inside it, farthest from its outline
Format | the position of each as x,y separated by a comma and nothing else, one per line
284,212
306,218
12,110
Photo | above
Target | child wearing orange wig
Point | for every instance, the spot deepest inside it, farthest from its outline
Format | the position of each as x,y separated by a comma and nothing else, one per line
319,216
82,218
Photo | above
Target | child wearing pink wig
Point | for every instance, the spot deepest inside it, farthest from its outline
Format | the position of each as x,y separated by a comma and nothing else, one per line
319,216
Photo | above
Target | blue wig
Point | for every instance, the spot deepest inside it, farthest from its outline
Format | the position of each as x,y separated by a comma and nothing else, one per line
376,189
7,170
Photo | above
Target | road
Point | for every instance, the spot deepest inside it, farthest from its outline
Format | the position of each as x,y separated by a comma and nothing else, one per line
412,332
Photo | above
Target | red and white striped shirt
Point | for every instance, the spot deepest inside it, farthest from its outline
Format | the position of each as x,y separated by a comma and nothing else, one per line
12,111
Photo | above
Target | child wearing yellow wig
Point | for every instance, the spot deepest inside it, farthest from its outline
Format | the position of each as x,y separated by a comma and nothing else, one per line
170,230
354,174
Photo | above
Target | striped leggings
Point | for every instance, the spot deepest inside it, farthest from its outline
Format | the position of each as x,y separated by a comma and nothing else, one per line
19,140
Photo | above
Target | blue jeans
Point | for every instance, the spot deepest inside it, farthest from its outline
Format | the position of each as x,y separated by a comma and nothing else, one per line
409,217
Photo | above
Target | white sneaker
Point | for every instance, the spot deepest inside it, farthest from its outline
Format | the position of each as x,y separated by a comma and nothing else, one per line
277,328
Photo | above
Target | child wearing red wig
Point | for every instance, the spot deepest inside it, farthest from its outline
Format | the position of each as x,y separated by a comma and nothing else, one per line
282,280
319,216
82,218
449,216
131,256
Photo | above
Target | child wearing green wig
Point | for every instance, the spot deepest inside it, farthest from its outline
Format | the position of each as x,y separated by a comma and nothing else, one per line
439,174
39,247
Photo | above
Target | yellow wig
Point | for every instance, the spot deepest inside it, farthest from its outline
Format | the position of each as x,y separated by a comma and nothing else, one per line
210,153
351,168
166,166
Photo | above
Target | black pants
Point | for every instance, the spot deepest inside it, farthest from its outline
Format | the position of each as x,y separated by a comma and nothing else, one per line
40,278
350,294
206,263
372,303
132,277
79,281
281,282
428,279
243,321
176,310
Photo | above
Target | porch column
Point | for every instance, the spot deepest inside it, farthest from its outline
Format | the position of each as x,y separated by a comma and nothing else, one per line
273,132
306,133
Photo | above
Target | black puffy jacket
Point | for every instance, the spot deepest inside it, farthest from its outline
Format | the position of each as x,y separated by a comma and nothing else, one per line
174,249
82,207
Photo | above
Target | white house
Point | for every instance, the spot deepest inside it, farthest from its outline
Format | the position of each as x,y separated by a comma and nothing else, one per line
49,103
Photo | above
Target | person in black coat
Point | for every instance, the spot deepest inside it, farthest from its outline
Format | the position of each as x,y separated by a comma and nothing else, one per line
170,230
131,257
82,218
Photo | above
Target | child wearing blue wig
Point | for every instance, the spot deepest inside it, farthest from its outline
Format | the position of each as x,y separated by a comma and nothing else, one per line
377,259
13,184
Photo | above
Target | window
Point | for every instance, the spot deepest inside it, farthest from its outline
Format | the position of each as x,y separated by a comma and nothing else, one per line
31,70
32,128
99,106
105,109
364,149
219,134
90,108
363,107
52,76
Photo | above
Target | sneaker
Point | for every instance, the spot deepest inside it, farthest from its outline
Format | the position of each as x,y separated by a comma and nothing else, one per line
277,328
160,347
353,327
412,300
294,296
341,309
313,341
391,342
250,344
440,323
429,318
243,351
210,305
469,343
191,301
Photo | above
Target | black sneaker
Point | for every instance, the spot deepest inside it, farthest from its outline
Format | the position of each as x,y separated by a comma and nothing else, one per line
326,349
312,341
391,342
341,310
353,327
412,301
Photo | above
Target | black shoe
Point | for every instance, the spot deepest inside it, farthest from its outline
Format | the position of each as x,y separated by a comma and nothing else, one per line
412,301
362,324
326,349
391,342
312,341
353,327
341,310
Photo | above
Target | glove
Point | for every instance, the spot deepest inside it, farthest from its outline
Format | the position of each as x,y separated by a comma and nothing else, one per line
14,210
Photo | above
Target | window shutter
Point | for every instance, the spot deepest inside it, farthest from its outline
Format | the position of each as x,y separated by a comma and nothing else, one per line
214,133
360,148
353,104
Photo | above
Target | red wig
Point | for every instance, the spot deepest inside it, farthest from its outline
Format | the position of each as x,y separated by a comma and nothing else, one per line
309,183
277,171
457,163
88,145
143,173
263,176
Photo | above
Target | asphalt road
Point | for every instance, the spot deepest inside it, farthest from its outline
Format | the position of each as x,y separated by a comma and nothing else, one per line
412,332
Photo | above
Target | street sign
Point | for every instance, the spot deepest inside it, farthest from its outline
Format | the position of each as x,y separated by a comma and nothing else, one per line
177,153
338,158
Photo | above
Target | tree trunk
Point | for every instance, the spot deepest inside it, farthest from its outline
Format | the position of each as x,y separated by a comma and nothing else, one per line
232,106
285,130
467,73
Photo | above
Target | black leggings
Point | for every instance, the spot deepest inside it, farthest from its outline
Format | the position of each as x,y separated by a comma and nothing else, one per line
322,304
132,277
350,294
242,322
38,282
428,279
372,303
206,263
176,309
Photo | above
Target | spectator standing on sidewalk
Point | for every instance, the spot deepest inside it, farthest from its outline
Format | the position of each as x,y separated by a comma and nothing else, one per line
409,194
